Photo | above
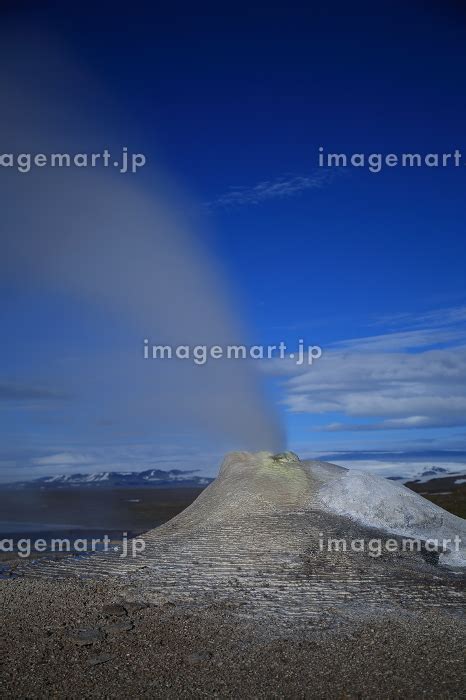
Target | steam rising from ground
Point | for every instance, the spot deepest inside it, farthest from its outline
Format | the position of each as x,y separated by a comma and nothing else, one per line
120,242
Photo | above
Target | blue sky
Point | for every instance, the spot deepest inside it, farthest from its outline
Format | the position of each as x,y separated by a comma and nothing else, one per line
234,103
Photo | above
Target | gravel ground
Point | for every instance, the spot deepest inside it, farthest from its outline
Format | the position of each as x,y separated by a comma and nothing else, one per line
81,639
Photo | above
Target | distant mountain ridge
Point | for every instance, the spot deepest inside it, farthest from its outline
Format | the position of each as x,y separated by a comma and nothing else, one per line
425,475
148,478
172,478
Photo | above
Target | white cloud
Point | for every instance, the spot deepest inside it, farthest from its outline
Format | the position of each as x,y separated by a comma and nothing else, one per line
438,317
272,189
64,459
400,380
403,340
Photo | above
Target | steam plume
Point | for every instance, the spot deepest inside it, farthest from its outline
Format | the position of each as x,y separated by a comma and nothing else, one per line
120,242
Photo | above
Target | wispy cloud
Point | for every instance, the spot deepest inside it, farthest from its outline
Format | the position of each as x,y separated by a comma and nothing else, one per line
279,188
438,317
10,391
404,340
408,379
399,424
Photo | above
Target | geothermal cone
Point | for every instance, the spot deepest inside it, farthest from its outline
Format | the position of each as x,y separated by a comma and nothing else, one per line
261,539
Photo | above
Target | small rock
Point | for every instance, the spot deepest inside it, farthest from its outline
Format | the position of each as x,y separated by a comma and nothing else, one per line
162,600
198,657
119,627
114,609
134,606
85,637
100,659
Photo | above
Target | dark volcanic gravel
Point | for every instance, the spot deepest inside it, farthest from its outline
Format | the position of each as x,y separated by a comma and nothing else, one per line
66,640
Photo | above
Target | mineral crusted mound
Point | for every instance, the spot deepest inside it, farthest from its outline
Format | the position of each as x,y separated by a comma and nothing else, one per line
275,535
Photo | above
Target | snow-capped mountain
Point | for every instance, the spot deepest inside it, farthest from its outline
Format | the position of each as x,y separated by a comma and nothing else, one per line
426,475
150,477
